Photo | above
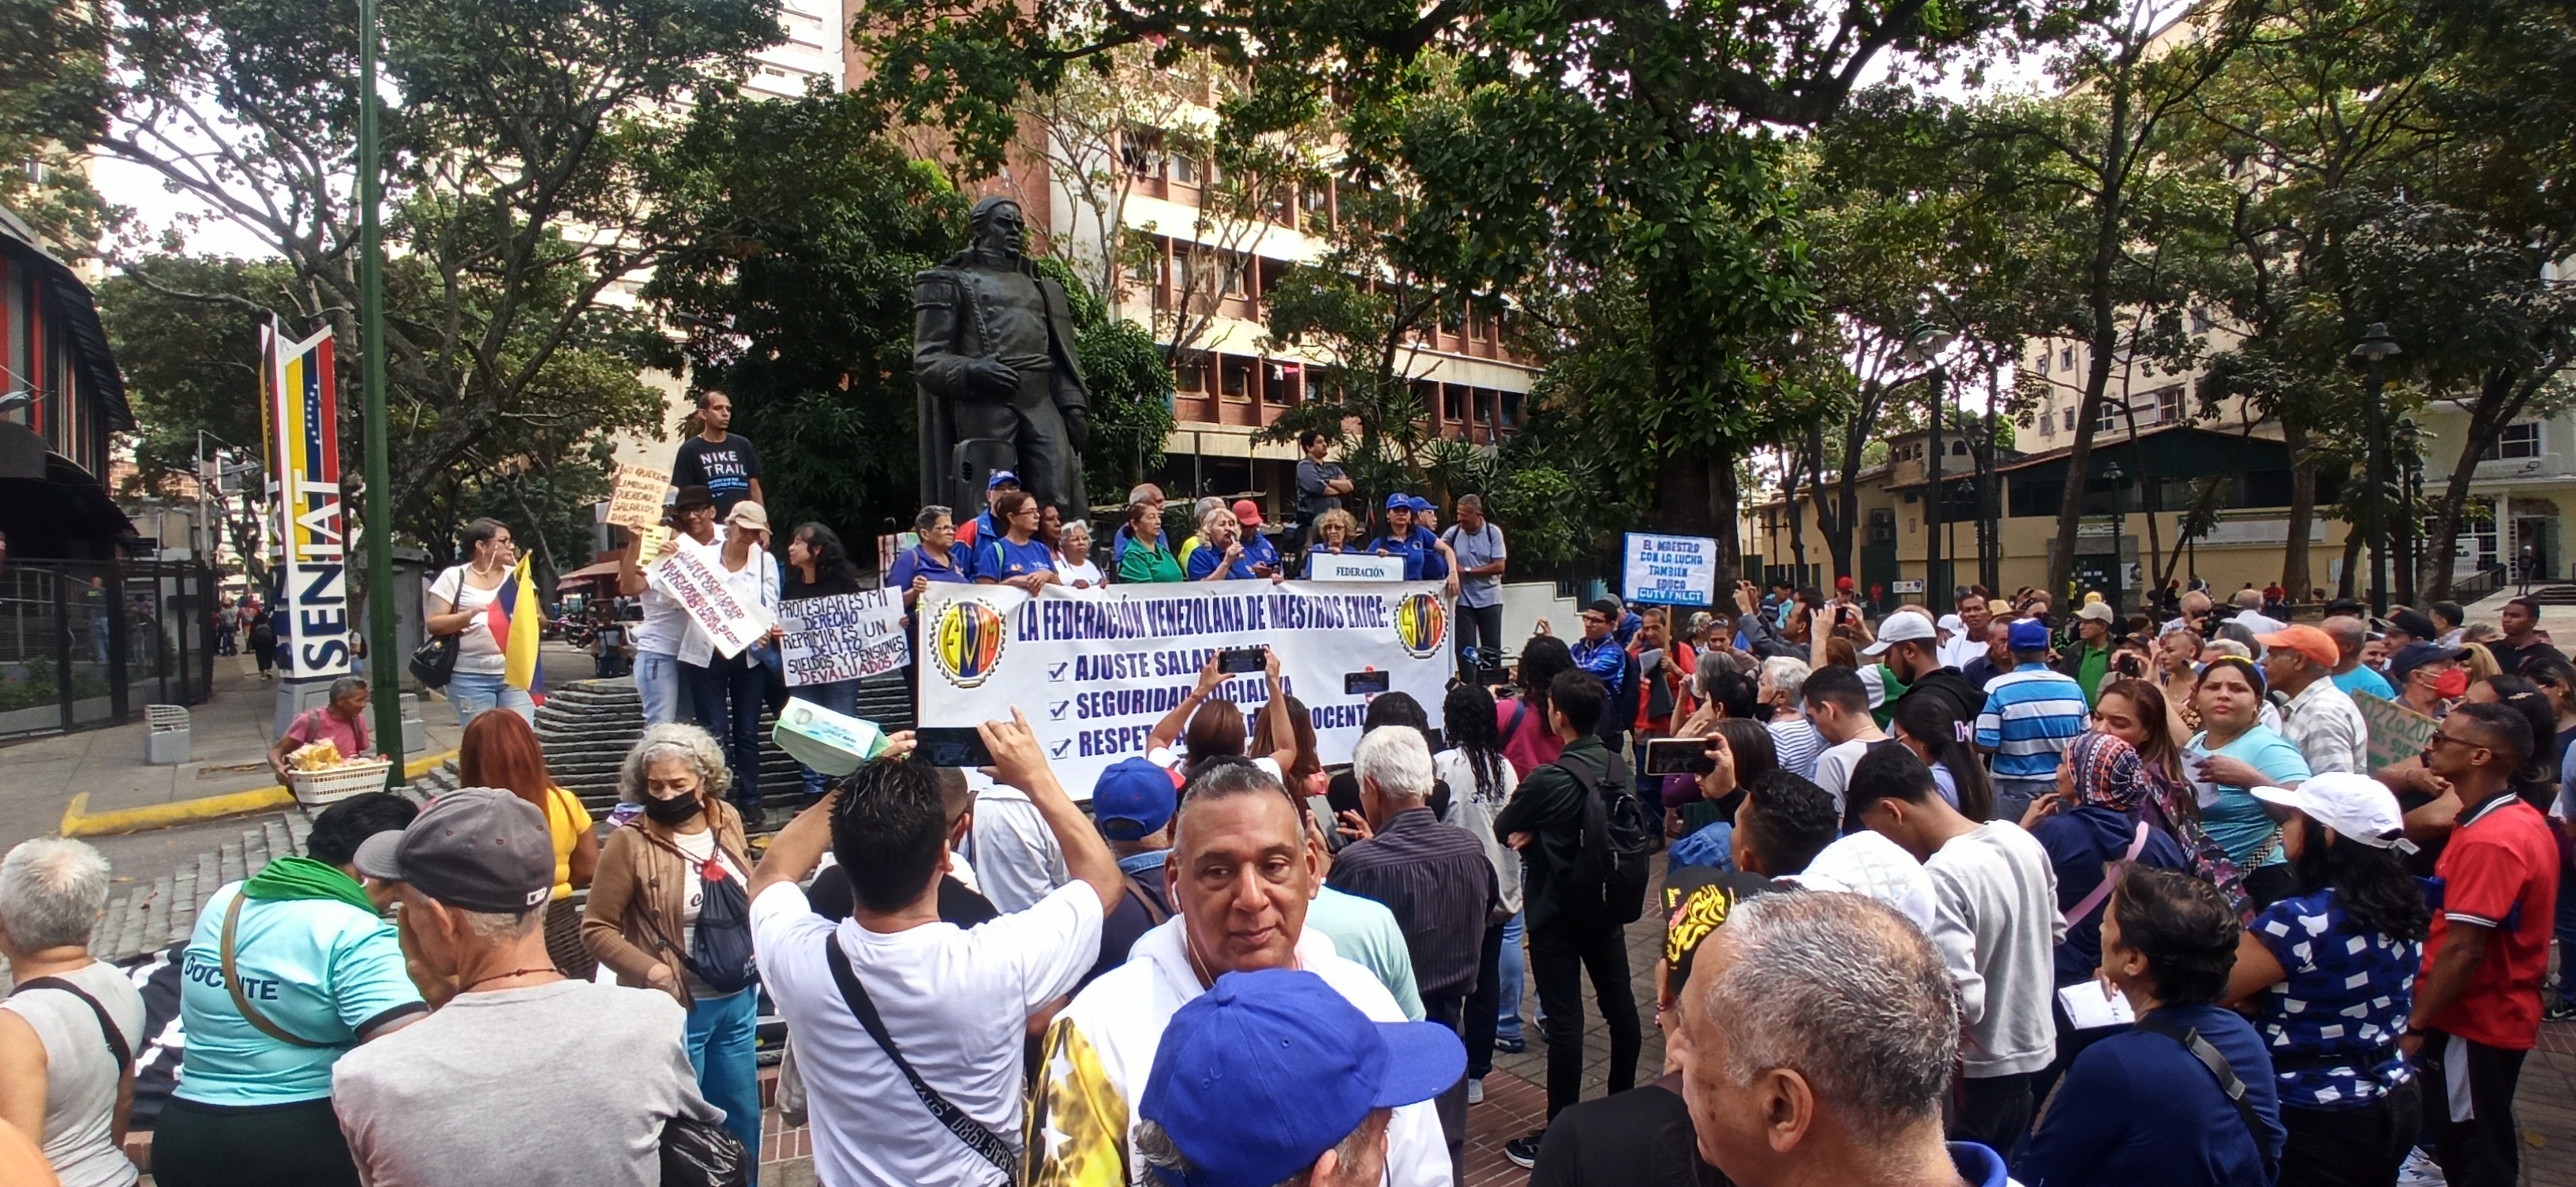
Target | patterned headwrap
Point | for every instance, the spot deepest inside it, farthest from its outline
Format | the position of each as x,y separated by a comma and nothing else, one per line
2107,772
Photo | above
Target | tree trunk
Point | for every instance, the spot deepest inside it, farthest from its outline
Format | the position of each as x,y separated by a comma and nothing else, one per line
2352,543
2295,575
1722,503
1797,519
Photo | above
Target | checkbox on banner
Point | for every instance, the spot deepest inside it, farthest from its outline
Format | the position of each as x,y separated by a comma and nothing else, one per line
1064,748
1057,672
1059,708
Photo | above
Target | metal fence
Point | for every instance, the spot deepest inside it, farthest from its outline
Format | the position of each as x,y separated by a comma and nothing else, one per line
89,643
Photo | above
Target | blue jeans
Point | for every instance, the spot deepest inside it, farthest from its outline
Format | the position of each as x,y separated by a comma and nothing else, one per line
721,1030
726,696
1507,1020
657,681
473,692
840,696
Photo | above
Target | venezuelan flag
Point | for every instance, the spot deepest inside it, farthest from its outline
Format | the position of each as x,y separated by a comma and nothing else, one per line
518,624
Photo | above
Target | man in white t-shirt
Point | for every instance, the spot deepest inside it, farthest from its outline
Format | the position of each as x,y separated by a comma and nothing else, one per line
1838,703
1240,875
1997,925
657,639
955,1003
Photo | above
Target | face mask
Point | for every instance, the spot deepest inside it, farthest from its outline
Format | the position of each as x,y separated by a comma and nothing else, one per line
675,810
2451,684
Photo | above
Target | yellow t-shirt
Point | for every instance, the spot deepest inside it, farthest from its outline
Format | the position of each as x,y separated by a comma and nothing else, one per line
567,820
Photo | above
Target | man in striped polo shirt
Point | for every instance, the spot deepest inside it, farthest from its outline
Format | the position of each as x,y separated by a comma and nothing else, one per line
2032,715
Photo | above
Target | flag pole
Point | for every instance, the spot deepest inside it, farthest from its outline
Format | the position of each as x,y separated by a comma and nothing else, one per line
384,661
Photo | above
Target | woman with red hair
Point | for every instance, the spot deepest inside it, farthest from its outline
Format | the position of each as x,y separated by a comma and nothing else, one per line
501,750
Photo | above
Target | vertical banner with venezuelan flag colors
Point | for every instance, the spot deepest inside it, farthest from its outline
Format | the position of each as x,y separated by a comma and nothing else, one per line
303,414
518,624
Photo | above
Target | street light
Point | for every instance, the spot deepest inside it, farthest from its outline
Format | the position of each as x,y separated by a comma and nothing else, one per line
1925,345
2409,439
2373,350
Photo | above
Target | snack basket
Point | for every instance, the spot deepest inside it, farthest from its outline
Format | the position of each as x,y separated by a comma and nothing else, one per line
315,789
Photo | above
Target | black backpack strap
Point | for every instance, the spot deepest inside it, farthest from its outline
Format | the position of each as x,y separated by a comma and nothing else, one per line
106,1026
984,1142
2229,1083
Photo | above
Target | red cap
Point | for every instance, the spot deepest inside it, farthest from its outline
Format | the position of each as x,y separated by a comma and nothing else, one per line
1842,583
1247,513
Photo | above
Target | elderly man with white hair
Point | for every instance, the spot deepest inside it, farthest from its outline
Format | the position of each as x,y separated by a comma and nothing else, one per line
1818,1031
69,1028
1434,877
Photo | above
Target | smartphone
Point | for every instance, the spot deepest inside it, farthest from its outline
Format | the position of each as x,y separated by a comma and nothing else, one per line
1365,683
952,746
1678,756
1236,661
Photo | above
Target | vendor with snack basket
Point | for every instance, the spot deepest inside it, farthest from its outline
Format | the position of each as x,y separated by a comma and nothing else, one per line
328,736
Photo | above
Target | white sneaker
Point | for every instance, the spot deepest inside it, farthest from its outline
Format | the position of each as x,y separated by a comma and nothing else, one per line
1475,1092
2420,1171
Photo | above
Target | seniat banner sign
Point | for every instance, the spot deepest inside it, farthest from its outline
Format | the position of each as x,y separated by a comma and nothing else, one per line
1094,669
303,413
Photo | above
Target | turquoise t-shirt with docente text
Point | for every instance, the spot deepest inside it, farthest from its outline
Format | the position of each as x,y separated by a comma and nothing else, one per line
319,968
2236,820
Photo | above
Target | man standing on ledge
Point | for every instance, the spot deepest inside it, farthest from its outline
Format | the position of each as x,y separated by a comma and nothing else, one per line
720,461
993,355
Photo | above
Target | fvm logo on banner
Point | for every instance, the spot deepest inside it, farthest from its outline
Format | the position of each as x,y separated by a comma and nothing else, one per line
303,410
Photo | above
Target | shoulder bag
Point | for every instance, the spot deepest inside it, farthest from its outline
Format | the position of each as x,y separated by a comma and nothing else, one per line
106,1026
2077,913
241,1002
2229,1083
984,1142
702,1154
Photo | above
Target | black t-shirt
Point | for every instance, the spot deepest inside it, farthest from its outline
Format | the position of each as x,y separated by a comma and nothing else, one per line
1638,1138
1140,911
725,468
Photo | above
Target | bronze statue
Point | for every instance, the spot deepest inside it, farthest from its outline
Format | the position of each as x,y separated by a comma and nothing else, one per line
992,353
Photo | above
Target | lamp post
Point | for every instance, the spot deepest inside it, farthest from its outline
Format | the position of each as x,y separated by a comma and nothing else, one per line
384,667
2373,351
1924,345
2408,439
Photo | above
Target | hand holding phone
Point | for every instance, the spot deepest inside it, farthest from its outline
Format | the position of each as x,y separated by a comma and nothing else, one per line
1240,661
952,746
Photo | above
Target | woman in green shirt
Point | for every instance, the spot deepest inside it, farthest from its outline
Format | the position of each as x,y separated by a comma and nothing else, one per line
1145,560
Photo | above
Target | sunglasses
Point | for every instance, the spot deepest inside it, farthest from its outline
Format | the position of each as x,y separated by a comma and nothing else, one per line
2442,739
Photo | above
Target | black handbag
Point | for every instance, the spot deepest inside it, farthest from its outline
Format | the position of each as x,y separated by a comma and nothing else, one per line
702,1154
434,661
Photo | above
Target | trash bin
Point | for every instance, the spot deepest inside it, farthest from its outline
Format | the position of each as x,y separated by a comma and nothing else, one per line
165,738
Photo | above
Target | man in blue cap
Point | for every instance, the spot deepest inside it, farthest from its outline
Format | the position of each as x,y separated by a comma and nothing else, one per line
1132,806
1273,1077
1425,557
982,527
2032,715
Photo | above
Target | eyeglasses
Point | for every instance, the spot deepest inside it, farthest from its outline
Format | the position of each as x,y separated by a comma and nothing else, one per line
2440,738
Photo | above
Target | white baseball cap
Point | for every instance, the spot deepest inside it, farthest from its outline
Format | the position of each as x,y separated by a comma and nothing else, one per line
2357,807
1902,627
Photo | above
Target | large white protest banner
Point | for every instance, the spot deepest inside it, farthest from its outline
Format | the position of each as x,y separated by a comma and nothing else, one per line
1670,570
842,637
732,624
1094,669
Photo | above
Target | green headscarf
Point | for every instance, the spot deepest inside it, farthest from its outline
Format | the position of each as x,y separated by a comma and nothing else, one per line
294,877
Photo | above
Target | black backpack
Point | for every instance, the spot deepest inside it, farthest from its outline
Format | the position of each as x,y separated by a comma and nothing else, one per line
720,947
1608,882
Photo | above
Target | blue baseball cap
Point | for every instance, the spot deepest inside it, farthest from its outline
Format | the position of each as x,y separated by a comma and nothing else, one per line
1421,504
1399,501
1260,1075
2029,634
999,477
1133,798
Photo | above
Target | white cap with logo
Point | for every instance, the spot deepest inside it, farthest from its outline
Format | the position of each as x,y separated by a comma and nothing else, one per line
2357,807
1904,626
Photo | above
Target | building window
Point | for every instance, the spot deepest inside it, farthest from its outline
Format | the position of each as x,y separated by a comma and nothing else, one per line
1236,376
1453,403
1317,200
2043,362
2517,441
2066,361
1140,152
1187,170
2070,420
1190,373
1484,405
2169,405
2200,321
2114,417
1511,414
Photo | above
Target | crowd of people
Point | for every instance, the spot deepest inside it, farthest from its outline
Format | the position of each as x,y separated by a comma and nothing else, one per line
1987,893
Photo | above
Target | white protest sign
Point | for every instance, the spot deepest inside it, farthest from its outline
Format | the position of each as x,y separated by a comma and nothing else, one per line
731,623
635,496
1094,669
1328,566
842,637
1670,570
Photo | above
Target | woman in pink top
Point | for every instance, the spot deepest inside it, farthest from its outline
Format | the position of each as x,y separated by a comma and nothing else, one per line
1521,722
